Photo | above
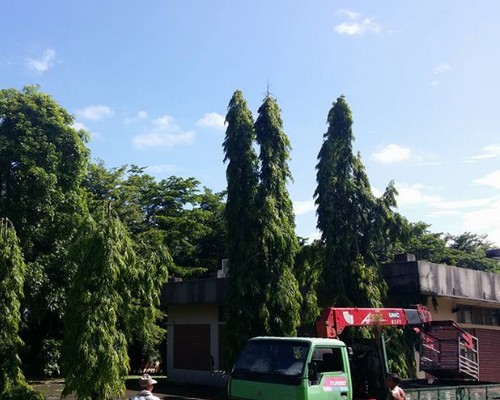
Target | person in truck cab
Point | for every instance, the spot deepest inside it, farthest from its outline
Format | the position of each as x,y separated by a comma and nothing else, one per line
395,392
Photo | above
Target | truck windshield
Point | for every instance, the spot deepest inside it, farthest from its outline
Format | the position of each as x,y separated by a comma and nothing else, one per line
268,360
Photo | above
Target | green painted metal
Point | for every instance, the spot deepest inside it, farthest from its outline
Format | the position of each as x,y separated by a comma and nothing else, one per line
472,392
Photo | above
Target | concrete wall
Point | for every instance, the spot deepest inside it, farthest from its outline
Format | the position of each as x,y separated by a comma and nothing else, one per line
194,314
202,291
445,280
425,278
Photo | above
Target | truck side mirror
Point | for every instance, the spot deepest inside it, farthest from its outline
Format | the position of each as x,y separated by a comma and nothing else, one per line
312,372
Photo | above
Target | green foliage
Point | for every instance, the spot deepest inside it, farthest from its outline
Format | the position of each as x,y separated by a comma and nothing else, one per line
95,360
278,244
51,353
42,163
354,224
186,220
467,250
244,307
307,271
22,392
12,270
400,347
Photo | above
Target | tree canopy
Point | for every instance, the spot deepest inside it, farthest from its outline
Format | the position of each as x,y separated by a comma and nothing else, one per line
42,163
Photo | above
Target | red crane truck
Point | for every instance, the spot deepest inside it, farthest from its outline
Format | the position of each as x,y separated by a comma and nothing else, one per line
324,367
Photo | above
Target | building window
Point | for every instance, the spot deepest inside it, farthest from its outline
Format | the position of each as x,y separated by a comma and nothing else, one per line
478,315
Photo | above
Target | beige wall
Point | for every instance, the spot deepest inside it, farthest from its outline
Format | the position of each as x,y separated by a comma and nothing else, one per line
194,314
445,306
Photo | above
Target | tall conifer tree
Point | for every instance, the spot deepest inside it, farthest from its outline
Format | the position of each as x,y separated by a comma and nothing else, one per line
245,293
350,218
95,360
278,243
12,270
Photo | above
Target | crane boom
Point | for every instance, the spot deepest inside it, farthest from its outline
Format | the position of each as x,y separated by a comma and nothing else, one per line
333,320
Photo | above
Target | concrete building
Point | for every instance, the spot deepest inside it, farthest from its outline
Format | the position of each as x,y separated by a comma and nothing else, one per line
471,298
195,330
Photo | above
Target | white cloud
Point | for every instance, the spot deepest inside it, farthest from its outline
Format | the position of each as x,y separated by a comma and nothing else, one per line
356,24
95,113
212,120
162,168
392,153
492,180
441,68
413,194
303,207
316,235
163,133
484,221
348,13
480,215
490,151
79,125
42,64
140,116
434,83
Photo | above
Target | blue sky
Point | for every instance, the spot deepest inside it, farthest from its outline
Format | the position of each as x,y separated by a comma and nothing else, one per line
151,81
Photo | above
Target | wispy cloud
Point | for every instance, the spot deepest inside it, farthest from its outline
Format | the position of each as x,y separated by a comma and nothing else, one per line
95,113
163,132
356,24
163,168
140,116
43,63
491,180
79,125
212,120
485,220
392,153
415,194
441,68
303,207
479,215
487,152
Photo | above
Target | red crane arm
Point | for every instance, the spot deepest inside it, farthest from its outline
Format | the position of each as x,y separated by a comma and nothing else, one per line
333,320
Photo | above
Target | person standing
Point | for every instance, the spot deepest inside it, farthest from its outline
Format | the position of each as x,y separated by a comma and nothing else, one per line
146,383
395,392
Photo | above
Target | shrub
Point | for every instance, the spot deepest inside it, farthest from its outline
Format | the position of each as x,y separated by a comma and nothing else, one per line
22,393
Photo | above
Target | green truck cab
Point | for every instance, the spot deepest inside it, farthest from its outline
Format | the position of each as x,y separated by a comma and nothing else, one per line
271,368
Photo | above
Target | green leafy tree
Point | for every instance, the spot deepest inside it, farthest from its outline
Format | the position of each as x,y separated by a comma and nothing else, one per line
186,220
244,306
42,163
466,250
278,244
12,270
95,360
353,223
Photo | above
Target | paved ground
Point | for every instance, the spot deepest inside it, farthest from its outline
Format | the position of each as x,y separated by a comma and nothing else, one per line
52,391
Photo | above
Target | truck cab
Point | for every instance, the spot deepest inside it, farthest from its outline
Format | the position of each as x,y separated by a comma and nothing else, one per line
273,368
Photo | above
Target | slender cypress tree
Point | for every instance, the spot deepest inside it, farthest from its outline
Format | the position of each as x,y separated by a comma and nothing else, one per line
95,360
12,270
278,243
245,292
348,217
